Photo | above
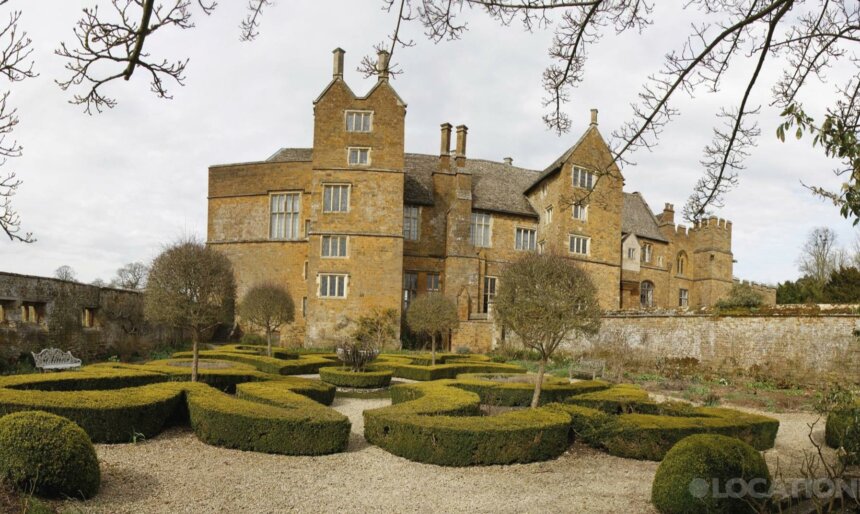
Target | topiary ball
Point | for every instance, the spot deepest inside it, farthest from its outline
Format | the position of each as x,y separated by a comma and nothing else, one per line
48,455
710,473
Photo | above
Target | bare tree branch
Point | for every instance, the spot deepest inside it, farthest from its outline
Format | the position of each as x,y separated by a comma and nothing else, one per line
105,42
251,24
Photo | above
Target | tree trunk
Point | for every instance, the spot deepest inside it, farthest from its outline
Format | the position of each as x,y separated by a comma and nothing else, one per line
433,349
195,353
538,383
269,342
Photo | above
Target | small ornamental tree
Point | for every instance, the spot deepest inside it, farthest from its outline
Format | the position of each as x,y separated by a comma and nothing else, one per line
432,314
741,296
191,287
377,328
545,299
268,307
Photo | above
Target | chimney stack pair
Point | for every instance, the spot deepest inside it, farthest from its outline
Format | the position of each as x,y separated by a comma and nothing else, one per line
381,63
445,149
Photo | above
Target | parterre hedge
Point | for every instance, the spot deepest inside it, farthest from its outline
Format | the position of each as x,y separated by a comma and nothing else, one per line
505,390
302,364
435,423
438,422
843,430
626,423
284,418
442,371
342,377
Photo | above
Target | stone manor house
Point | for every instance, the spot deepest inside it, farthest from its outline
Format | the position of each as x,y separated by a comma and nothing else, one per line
356,224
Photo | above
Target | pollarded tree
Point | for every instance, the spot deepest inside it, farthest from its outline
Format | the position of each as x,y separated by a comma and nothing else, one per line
191,287
268,307
544,299
432,314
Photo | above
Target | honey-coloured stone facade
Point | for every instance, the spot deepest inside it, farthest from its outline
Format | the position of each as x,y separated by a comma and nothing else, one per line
356,225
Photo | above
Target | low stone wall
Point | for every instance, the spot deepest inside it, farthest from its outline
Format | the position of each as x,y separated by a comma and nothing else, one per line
820,342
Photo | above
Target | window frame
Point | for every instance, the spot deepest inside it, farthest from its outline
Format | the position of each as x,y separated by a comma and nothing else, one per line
488,298
683,297
417,209
583,210
348,197
650,295
346,115
486,229
647,253
294,216
358,149
547,215
338,237
408,295
587,240
517,240
328,275
577,173
438,282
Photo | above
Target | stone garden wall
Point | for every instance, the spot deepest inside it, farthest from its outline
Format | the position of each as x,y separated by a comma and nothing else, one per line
820,341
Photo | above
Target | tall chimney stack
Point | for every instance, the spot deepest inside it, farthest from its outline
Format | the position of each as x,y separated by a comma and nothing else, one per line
667,217
594,117
382,58
509,161
338,63
445,146
462,131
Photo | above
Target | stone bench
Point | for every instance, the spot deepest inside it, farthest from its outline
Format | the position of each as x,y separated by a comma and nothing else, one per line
585,367
52,359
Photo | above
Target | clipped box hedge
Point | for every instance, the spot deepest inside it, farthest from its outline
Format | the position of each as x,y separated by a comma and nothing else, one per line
502,389
301,365
344,377
266,417
623,429
843,430
435,423
275,416
447,371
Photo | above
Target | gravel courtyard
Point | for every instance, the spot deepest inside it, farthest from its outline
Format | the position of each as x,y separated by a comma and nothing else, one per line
174,472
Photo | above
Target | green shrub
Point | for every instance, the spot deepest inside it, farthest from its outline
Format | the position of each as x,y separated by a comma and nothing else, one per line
741,296
436,423
276,421
451,370
502,389
843,431
48,455
686,479
253,339
625,422
301,365
344,377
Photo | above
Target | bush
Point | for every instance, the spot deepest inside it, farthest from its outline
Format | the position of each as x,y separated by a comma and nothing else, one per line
741,296
505,390
300,365
843,431
48,455
253,339
452,369
437,423
685,479
343,377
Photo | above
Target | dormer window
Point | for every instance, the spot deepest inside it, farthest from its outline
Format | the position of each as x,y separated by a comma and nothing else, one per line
359,156
359,121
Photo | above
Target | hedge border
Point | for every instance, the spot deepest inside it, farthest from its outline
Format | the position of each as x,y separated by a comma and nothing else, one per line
285,418
369,379
436,423
519,394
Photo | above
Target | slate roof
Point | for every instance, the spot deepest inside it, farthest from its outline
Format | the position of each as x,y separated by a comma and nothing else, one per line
637,218
496,186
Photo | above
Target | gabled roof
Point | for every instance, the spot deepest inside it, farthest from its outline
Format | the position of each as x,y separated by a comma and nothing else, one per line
558,163
496,186
365,97
637,218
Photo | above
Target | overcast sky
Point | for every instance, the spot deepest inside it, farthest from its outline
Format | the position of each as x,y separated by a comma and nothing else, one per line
101,191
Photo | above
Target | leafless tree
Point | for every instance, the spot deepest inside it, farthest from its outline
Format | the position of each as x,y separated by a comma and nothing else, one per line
131,276
433,314
809,41
375,329
15,66
820,256
66,273
191,287
268,307
544,299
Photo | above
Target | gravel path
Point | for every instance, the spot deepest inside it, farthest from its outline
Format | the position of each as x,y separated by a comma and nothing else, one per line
176,473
